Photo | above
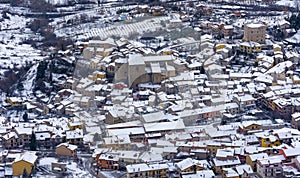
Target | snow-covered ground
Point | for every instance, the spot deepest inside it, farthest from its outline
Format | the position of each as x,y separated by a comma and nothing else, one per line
77,171
72,167
289,3
14,53
63,2
271,21
294,39
46,162
28,83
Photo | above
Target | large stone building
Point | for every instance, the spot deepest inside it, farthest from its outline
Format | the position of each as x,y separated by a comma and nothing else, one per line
255,33
143,69
98,48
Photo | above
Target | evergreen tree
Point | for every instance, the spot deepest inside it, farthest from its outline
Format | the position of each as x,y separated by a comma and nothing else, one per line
25,173
20,86
33,171
64,139
33,143
96,137
25,117
50,77
41,70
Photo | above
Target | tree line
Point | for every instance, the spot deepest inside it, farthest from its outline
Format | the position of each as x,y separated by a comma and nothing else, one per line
294,20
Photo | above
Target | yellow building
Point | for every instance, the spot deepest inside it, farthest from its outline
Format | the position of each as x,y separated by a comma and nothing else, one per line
270,141
250,47
255,32
26,161
15,101
220,46
100,75
157,10
276,47
167,51
75,125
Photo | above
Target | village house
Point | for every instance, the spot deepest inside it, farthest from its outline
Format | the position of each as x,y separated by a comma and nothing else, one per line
164,127
290,153
26,162
191,166
66,149
225,158
10,140
252,159
227,30
116,115
43,139
98,47
268,139
108,161
244,171
269,167
147,170
75,137
203,173
296,120
250,47
118,142
249,126
128,157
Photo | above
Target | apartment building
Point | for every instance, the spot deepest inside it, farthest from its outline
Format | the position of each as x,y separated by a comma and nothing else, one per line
269,167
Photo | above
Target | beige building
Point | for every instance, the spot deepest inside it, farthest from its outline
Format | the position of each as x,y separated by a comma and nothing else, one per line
147,170
98,48
255,33
143,69
269,167
227,30
66,149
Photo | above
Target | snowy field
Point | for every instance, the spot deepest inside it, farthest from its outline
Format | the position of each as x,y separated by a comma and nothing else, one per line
127,29
123,30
